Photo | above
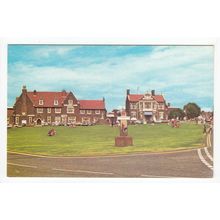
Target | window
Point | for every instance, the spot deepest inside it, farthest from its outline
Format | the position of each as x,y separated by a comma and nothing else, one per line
64,120
97,112
161,106
102,117
70,109
82,111
57,110
141,105
70,102
161,115
133,114
147,105
89,112
30,120
48,110
55,102
133,106
57,120
17,120
41,102
72,119
85,120
48,119
40,110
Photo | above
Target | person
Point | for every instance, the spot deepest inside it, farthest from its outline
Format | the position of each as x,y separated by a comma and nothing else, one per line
172,122
51,132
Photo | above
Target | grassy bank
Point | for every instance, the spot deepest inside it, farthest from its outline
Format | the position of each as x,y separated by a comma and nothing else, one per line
99,140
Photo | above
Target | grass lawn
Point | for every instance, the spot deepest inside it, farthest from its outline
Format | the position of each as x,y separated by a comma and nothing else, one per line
99,140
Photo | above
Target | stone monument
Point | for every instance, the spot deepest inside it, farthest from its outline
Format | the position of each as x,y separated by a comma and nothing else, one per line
123,140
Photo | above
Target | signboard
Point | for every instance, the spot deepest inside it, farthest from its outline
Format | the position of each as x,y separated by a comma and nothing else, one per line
148,113
123,118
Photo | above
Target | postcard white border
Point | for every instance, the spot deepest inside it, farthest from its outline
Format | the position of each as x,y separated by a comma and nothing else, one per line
84,41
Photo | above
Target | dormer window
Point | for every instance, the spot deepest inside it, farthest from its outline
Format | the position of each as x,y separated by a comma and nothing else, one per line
41,102
70,102
55,102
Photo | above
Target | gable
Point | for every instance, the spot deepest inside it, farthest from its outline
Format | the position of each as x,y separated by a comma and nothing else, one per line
70,96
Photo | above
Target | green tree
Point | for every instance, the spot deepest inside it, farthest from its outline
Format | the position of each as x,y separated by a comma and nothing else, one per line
176,113
192,110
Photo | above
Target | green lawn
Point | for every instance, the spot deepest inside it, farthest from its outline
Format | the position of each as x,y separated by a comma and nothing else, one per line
99,140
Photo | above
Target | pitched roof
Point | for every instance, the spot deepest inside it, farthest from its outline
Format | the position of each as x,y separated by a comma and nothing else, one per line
137,97
134,97
48,98
92,104
159,98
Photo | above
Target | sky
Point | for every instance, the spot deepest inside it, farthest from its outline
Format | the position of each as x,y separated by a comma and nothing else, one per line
181,73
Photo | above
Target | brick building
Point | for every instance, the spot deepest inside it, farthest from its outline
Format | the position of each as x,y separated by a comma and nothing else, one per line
146,107
10,117
56,108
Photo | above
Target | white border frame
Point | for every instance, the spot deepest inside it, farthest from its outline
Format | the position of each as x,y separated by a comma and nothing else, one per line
84,41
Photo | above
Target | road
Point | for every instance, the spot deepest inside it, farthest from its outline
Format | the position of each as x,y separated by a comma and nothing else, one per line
196,163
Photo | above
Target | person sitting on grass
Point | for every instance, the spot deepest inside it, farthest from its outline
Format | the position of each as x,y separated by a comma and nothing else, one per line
51,132
175,123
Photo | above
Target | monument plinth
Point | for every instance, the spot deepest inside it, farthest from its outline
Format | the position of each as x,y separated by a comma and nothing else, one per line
123,140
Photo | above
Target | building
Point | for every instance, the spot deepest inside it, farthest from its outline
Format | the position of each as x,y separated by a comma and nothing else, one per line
146,107
10,117
112,117
56,108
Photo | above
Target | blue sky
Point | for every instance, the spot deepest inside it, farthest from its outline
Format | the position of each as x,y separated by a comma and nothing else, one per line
181,73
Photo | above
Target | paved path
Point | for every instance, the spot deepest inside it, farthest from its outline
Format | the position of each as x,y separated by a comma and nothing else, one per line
191,163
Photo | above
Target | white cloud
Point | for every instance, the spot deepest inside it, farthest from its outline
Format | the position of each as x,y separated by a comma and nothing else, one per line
46,52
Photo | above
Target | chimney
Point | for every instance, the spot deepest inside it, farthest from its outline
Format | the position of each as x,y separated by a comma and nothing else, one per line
24,89
168,104
35,92
153,92
128,91
103,99
24,100
63,92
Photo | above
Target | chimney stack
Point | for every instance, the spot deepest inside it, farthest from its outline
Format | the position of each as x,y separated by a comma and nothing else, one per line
128,91
63,92
24,89
103,99
153,92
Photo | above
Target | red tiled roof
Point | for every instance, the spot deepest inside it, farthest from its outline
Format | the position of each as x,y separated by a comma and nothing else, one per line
159,98
48,98
134,97
92,104
137,97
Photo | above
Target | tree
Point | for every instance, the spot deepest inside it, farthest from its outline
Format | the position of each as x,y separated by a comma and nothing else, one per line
176,113
192,110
